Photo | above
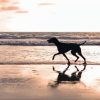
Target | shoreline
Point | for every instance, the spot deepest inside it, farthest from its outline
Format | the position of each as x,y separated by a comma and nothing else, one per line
33,44
48,63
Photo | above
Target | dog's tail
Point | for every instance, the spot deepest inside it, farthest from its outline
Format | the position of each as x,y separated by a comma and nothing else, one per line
83,43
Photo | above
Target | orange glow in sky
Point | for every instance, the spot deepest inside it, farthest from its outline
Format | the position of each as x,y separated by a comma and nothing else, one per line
8,5
9,8
4,1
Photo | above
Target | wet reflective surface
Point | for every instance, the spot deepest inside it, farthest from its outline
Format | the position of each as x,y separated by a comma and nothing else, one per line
34,82
28,73
43,54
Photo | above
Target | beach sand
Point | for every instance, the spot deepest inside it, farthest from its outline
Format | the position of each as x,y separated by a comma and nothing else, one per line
26,74
37,82
43,55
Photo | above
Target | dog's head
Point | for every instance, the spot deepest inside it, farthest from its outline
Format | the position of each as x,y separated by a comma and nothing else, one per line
52,40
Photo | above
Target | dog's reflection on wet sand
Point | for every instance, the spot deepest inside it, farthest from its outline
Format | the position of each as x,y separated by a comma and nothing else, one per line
63,77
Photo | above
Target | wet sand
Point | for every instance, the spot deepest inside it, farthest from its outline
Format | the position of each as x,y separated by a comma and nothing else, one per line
26,74
43,55
36,82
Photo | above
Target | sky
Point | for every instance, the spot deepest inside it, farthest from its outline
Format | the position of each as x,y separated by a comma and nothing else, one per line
50,15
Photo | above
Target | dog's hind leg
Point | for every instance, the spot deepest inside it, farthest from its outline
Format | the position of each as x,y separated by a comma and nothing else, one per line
82,57
55,55
74,54
67,59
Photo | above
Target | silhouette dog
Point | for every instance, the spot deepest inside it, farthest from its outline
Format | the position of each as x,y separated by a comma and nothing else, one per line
65,47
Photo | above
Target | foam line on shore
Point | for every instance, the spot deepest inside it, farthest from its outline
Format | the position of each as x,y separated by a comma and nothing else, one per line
46,63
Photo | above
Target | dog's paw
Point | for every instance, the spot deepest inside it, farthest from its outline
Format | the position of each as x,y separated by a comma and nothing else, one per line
53,68
84,63
68,63
52,58
76,60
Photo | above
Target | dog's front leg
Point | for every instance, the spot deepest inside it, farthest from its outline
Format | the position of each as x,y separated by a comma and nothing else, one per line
67,59
55,55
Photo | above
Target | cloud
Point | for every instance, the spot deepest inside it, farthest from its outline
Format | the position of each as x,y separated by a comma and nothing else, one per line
7,8
8,5
21,11
45,4
1,1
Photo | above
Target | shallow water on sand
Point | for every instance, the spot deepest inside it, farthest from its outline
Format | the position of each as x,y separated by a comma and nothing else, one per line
43,54
30,80
37,82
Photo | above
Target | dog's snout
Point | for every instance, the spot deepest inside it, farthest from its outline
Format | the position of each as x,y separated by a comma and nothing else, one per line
49,41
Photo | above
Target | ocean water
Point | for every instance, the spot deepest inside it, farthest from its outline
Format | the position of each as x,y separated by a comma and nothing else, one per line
40,38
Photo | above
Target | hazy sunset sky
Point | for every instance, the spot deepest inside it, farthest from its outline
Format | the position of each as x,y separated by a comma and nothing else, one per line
49,15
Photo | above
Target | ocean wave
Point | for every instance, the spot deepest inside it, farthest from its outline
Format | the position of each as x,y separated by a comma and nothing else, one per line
40,38
41,42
